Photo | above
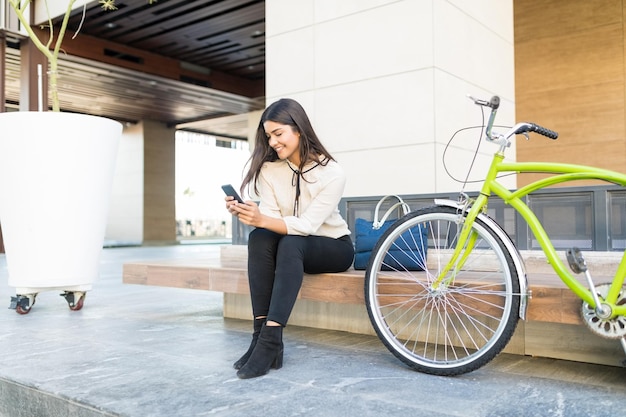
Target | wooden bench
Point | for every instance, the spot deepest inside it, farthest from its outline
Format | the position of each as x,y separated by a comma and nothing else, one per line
336,301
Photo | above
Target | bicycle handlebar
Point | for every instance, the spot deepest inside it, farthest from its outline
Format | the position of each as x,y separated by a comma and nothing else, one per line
520,128
494,103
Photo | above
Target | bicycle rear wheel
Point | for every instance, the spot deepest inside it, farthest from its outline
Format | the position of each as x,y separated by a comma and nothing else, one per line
454,327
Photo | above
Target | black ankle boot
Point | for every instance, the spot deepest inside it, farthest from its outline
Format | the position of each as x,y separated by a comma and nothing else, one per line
268,353
258,323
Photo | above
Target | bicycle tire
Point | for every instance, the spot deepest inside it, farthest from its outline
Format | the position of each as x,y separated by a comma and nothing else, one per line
455,328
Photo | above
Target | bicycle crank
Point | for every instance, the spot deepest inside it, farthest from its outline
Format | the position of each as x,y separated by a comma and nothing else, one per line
610,328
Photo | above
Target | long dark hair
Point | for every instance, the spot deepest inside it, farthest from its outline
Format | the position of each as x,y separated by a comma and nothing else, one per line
286,112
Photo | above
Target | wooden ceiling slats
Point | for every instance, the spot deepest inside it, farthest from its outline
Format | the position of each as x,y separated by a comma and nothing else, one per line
224,44
185,30
225,36
145,26
240,36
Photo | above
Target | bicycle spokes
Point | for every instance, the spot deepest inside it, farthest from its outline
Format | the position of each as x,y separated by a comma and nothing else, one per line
444,323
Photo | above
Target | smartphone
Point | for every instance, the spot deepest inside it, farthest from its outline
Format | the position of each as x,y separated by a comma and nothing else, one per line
230,190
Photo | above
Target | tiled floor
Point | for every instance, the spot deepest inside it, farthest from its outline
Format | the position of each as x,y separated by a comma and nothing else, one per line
148,351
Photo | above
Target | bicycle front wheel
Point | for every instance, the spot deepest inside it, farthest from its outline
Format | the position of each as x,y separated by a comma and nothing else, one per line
442,324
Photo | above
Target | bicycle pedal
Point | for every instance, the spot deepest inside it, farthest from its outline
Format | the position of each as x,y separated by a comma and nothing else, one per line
576,260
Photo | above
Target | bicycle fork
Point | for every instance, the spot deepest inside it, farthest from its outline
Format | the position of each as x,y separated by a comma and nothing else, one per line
466,240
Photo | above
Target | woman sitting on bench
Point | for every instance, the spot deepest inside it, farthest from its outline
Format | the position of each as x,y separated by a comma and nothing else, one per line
298,227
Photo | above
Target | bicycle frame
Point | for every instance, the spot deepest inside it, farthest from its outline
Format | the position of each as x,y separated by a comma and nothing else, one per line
560,173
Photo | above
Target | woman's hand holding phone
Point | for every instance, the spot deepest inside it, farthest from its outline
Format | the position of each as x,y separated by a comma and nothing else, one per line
230,191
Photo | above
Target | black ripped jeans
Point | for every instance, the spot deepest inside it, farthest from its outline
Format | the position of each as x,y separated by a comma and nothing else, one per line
277,263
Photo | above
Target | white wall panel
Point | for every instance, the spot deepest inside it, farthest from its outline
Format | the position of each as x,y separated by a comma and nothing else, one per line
453,109
306,100
378,42
125,220
497,15
406,170
332,9
466,48
291,58
379,113
286,15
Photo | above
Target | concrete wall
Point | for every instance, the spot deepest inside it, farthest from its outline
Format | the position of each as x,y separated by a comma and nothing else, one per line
143,201
384,82
125,221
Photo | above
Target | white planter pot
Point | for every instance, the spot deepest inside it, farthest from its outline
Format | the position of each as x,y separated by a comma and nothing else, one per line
56,173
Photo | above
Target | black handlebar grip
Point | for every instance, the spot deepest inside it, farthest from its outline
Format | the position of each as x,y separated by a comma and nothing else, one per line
543,131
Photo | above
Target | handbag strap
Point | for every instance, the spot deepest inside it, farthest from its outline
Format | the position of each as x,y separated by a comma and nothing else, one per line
377,224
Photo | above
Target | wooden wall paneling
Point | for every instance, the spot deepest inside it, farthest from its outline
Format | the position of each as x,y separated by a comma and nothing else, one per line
159,185
571,342
570,59
570,78
623,15
544,18
590,122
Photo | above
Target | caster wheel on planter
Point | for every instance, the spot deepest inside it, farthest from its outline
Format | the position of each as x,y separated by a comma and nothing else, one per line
22,303
75,299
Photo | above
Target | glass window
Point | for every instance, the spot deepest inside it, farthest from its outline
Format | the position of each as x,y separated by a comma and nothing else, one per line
566,217
617,220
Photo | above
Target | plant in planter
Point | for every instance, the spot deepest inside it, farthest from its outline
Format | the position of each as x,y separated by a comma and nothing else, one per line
56,175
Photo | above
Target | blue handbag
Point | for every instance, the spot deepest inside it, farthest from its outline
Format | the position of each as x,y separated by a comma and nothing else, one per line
404,255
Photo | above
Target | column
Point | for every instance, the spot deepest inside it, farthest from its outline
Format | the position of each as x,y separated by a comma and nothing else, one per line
385,83
159,222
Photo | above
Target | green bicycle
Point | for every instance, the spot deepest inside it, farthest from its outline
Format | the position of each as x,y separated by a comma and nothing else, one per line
460,311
